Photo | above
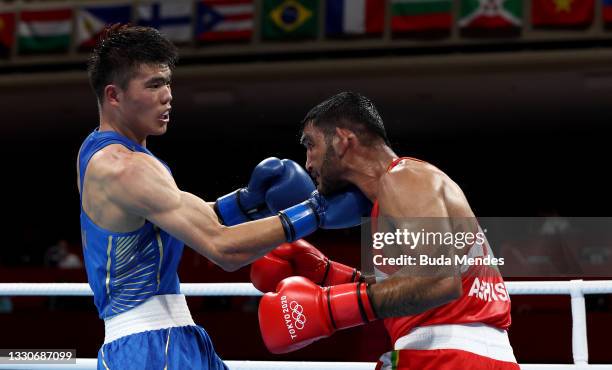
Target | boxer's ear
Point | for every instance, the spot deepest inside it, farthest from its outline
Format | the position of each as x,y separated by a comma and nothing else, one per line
112,94
344,139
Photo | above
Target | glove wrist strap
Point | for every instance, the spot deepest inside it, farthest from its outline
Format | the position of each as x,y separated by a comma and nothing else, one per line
229,211
299,221
349,305
338,273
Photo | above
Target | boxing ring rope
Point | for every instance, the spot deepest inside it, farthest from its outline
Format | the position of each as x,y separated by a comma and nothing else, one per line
575,288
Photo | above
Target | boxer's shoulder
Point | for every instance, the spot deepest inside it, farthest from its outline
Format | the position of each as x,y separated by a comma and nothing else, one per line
116,162
414,176
101,190
414,188
415,168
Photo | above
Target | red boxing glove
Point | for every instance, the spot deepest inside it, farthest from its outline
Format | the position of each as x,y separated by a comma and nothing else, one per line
299,258
303,312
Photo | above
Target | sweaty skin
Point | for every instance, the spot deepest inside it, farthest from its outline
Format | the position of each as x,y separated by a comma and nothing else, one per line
123,188
412,189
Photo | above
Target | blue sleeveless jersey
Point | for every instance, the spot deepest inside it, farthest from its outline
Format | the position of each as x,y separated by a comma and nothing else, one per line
125,269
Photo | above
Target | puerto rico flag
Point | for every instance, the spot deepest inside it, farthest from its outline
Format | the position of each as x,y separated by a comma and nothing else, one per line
220,20
354,17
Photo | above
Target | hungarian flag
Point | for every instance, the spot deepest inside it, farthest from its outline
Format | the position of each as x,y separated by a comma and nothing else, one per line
44,30
607,11
289,19
421,15
7,32
91,21
225,20
173,19
354,17
491,14
562,12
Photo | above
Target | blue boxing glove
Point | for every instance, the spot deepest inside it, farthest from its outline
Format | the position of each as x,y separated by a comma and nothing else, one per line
274,183
336,211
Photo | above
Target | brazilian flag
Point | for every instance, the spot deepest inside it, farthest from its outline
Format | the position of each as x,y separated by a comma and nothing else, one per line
289,19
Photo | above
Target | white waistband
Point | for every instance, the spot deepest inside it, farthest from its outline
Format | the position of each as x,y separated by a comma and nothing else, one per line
477,338
158,312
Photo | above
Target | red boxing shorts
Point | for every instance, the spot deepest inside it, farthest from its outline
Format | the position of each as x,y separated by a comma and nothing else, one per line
450,347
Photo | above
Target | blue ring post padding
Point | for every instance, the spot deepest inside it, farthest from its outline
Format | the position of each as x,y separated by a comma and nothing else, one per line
230,210
303,219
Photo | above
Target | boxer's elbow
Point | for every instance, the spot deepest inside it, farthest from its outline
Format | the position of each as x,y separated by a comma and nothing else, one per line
229,264
227,261
224,254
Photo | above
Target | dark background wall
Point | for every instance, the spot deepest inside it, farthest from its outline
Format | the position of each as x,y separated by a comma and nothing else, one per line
523,133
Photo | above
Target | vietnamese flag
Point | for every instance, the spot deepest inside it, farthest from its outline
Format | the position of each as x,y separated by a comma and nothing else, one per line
562,12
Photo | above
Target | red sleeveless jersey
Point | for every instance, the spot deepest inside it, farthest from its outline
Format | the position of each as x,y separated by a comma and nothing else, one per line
484,299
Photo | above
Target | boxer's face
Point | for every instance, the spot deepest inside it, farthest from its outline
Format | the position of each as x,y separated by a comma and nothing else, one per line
145,103
322,162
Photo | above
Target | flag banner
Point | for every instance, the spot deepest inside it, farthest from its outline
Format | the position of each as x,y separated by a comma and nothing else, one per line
421,15
289,19
222,20
607,11
7,33
491,14
562,13
44,31
354,17
171,18
91,21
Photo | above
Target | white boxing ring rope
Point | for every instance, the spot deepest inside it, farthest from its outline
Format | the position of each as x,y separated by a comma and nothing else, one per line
575,288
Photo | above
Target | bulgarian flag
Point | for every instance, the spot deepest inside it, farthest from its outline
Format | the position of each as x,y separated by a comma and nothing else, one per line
491,14
44,30
421,15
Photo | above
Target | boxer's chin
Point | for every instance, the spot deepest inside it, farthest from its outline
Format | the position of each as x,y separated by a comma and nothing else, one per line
331,187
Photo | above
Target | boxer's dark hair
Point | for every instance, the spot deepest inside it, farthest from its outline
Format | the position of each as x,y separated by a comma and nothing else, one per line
348,110
121,49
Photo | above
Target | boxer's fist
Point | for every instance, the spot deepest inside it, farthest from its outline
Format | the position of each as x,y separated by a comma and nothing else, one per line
302,312
299,258
279,183
336,211
293,187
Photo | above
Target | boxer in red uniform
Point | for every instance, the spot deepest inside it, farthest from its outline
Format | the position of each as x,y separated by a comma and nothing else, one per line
437,321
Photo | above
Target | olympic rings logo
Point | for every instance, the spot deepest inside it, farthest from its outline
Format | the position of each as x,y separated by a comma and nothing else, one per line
297,313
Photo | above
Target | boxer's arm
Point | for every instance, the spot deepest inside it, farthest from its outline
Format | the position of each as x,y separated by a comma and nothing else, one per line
407,196
142,186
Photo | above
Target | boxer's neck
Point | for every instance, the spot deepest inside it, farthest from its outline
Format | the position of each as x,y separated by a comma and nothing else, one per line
107,123
367,165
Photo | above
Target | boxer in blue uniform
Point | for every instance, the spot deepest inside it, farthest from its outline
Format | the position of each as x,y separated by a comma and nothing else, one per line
135,220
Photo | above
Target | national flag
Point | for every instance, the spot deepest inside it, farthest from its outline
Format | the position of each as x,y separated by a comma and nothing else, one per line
173,19
289,19
562,12
354,17
44,30
91,21
225,20
421,15
607,11
491,14
7,32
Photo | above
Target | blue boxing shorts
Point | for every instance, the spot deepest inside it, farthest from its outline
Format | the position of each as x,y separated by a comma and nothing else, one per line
135,341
